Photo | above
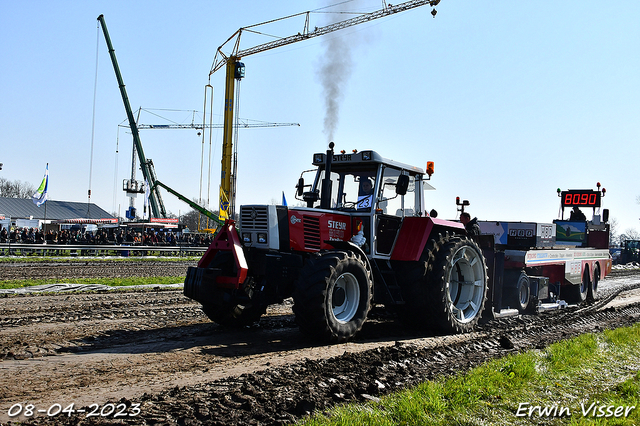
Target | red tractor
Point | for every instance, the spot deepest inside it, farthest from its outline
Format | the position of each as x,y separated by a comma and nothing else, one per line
363,238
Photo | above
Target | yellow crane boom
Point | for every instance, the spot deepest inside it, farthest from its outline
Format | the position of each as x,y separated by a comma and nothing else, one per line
235,71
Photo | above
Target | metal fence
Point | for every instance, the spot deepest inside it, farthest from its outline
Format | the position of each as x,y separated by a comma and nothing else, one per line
18,249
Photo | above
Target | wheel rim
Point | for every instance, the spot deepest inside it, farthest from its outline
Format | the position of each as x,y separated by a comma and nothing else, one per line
466,284
345,297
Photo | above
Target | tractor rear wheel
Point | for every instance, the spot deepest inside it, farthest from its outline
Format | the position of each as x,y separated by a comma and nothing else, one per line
459,278
447,289
333,295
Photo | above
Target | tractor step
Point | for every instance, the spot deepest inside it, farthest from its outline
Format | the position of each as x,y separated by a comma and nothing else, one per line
387,277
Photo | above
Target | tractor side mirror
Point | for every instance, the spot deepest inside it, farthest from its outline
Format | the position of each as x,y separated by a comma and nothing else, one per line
300,187
310,198
605,215
402,185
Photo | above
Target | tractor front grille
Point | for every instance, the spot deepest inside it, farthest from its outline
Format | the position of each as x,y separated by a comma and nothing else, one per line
311,232
254,218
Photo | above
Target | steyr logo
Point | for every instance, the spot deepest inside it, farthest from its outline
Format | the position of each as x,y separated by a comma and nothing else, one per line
333,224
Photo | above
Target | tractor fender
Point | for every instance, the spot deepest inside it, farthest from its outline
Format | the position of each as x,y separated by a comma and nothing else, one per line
416,231
349,246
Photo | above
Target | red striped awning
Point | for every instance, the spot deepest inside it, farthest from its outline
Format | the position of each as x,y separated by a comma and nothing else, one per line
90,221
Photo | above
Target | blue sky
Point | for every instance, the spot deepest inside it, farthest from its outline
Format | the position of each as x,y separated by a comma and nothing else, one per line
512,100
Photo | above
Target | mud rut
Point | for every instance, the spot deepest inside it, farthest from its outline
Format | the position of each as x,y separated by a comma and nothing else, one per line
151,357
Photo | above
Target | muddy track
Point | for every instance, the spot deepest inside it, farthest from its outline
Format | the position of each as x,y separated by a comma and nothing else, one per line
154,351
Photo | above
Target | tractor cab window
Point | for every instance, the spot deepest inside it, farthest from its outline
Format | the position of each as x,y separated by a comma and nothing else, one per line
390,202
352,189
365,182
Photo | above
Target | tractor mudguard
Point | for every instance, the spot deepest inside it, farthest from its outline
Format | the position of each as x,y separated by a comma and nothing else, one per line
349,246
414,234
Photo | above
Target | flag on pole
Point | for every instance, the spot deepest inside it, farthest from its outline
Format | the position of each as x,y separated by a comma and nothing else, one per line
41,194
284,200
223,213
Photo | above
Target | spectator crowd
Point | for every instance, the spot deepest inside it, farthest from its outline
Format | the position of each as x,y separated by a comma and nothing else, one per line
112,236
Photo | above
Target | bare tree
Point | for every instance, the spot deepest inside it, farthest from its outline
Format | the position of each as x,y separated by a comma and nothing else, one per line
194,220
613,232
629,234
16,189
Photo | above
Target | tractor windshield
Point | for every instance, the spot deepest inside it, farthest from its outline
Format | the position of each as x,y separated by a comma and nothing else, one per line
352,189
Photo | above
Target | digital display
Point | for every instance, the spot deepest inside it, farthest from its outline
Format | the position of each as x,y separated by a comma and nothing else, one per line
581,198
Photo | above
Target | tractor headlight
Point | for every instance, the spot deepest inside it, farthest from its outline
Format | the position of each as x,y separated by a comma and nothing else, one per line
262,238
246,237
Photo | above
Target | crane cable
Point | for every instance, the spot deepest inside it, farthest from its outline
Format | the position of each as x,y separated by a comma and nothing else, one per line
207,89
93,119
204,119
115,173
209,159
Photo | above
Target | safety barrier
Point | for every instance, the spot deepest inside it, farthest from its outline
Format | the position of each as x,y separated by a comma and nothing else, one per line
16,249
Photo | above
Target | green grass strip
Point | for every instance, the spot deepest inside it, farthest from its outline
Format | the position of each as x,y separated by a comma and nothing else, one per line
592,379
114,282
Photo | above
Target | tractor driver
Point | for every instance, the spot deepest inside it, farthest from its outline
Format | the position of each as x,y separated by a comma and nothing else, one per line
365,193
366,187
471,225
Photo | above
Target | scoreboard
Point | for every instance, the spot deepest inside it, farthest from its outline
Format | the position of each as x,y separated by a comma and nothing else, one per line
580,198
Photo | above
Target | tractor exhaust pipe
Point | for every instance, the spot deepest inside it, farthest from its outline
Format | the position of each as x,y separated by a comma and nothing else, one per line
325,196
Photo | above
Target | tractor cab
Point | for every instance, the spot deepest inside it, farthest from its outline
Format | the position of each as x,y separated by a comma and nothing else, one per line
377,193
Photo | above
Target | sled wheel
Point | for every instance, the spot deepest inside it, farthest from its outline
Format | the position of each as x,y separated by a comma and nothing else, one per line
592,293
577,293
521,293
333,296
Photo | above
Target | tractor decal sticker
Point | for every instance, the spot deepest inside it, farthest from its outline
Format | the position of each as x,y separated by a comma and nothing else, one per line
336,230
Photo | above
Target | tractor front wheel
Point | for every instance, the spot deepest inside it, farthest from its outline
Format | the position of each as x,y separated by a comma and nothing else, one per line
229,311
233,315
231,308
333,296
